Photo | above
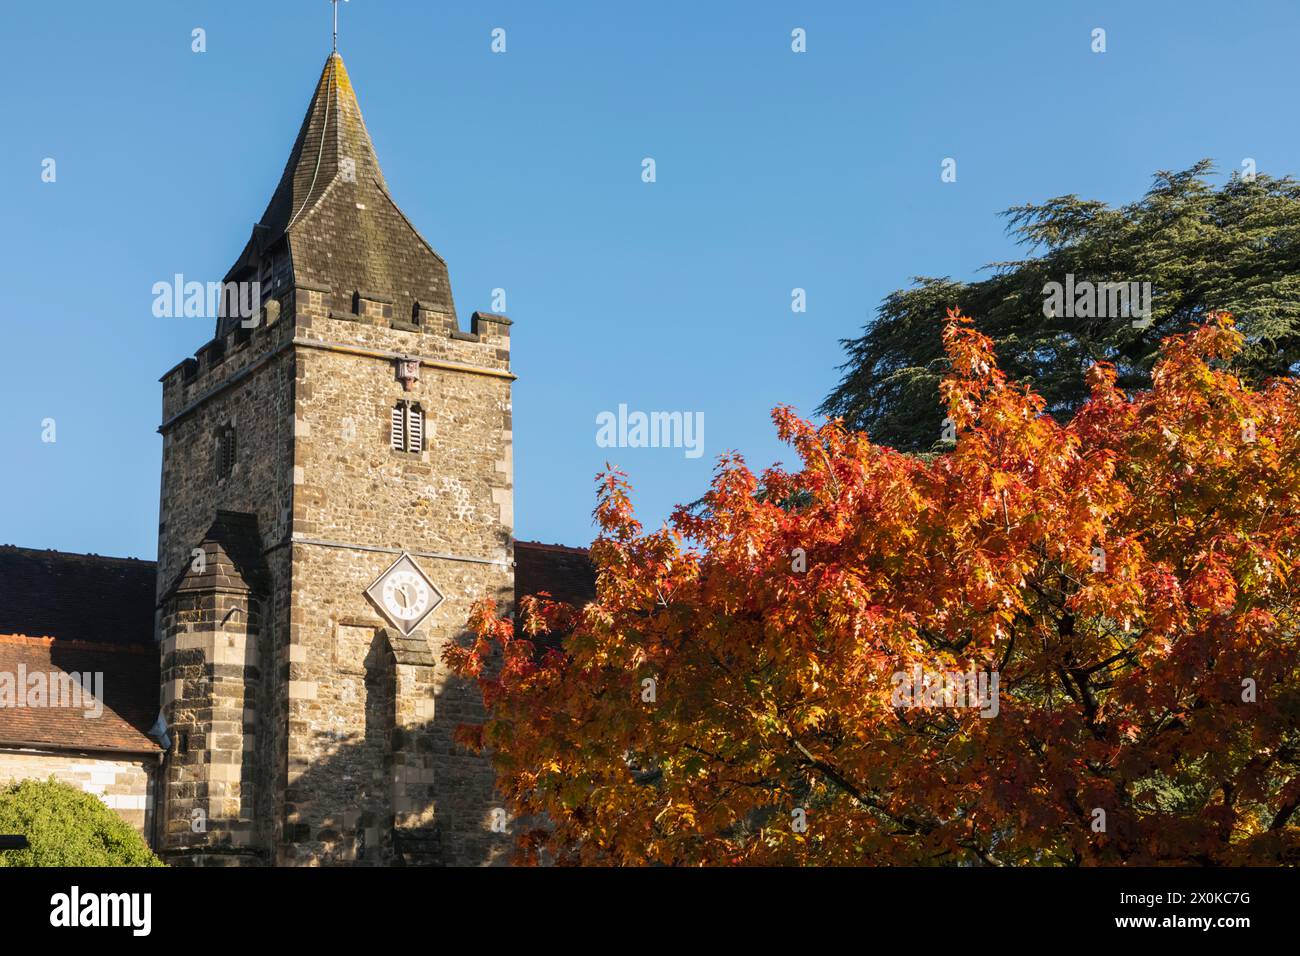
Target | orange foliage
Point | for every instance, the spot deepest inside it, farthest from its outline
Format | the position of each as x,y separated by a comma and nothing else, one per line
1126,578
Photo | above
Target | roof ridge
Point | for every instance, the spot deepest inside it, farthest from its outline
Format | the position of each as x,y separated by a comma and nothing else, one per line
74,644
540,545
75,554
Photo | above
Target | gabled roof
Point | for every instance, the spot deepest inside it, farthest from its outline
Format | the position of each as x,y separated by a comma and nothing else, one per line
128,690
82,597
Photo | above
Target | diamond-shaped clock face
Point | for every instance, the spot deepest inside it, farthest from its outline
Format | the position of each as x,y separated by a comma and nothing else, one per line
404,594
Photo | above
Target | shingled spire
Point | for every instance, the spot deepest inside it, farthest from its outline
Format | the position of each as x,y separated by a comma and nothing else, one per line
331,222
332,132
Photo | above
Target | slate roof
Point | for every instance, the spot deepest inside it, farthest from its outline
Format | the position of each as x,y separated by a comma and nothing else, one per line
337,223
81,597
566,573
331,131
129,691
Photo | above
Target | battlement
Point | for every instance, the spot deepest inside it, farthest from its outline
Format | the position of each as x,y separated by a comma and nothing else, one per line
310,314
220,360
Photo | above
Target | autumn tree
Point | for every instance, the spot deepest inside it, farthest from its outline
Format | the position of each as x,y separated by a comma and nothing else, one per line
732,695
1202,247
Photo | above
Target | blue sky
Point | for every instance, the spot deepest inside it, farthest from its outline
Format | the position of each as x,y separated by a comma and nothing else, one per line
775,170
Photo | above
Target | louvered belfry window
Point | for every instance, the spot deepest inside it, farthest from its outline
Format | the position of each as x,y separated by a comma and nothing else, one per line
414,427
406,428
397,433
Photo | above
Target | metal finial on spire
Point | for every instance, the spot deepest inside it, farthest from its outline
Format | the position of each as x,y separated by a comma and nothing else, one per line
336,23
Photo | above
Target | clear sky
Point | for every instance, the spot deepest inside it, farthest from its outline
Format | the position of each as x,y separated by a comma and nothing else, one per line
775,170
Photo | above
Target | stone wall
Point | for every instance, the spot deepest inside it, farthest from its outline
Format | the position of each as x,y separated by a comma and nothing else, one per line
221,772
125,784
370,714
251,389
345,727
210,681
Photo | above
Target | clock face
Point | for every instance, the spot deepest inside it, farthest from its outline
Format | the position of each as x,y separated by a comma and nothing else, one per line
404,594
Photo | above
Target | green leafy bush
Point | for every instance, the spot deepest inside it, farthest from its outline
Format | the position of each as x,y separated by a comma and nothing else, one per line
66,827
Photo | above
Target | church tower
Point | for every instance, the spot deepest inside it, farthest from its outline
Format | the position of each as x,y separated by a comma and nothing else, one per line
336,492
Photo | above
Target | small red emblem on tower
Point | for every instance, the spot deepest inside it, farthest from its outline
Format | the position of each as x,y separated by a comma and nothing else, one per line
408,372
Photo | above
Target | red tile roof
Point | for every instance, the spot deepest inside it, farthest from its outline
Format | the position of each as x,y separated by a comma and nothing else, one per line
80,597
129,693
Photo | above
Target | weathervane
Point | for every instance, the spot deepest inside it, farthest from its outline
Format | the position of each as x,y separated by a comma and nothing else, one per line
336,23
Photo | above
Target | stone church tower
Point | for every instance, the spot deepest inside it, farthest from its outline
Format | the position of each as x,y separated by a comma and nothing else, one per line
336,492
